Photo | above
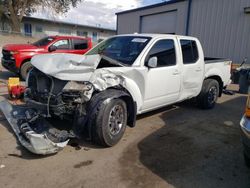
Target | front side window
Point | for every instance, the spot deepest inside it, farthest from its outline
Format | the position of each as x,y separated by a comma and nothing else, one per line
62,44
189,51
124,49
164,50
80,44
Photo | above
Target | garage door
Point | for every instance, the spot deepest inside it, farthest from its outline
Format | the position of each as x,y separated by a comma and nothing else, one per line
159,23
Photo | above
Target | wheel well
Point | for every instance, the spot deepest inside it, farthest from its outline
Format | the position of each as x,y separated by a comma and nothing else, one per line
24,61
131,110
219,80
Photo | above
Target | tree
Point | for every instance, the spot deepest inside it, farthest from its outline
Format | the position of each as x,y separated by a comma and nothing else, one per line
14,10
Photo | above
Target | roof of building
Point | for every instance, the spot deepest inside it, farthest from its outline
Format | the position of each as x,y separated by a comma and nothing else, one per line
68,23
150,6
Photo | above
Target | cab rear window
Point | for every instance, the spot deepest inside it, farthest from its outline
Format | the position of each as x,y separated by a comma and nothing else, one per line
189,51
80,44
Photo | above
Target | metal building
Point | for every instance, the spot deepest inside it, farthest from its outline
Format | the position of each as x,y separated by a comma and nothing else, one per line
223,26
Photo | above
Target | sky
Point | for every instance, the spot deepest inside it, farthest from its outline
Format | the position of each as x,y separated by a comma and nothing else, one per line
99,13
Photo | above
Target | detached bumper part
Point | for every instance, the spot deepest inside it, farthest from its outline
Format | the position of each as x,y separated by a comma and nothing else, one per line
38,137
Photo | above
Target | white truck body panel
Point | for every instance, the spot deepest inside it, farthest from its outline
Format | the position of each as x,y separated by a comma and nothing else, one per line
150,88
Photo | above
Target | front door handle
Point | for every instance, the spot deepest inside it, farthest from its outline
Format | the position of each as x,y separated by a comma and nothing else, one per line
198,69
176,72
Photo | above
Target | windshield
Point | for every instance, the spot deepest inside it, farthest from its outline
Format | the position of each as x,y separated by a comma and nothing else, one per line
124,49
43,42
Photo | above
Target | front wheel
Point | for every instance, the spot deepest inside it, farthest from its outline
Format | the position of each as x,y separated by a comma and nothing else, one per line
25,68
109,122
209,94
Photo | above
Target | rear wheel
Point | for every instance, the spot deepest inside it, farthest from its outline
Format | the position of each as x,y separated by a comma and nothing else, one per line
25,68
109,122
209,94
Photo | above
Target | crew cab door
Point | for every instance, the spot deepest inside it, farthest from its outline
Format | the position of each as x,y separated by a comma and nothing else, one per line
193,67
162,83
80,46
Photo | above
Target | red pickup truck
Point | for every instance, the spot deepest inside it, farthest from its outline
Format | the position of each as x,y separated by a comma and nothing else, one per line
16,57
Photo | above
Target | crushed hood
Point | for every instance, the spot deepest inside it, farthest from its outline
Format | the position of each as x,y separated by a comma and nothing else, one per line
67,66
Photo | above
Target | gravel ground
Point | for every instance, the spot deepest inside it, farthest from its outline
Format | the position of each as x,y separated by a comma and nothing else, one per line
177,146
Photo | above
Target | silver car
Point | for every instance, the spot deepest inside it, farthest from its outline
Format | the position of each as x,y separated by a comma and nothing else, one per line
245,129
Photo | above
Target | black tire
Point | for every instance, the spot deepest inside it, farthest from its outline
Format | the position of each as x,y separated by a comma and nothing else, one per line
247,160
102,133
209,94
25,68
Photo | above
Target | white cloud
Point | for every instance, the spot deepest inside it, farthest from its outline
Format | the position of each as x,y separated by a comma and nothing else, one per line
95,12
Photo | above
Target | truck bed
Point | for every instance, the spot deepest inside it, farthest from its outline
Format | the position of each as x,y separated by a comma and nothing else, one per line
222,66
214,60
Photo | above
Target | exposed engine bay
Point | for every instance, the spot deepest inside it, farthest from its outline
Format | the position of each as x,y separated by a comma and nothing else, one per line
52,96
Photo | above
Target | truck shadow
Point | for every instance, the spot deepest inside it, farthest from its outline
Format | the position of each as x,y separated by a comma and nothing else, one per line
194,148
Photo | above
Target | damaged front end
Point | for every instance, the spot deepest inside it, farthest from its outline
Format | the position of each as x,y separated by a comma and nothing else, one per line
47,97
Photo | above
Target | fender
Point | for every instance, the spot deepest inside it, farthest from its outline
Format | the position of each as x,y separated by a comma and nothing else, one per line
213,72
135,92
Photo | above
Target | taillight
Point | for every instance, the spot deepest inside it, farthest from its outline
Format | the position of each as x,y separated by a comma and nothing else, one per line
247,111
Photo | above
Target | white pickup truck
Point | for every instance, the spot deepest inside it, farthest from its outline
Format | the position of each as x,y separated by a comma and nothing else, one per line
101,92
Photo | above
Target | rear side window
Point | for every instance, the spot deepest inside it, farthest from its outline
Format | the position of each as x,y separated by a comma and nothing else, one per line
189,51
80,44
164,50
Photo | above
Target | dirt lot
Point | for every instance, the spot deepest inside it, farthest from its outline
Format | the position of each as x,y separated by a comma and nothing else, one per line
178,146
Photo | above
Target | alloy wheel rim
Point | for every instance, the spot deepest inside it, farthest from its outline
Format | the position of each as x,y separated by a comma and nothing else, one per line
116,120
212,95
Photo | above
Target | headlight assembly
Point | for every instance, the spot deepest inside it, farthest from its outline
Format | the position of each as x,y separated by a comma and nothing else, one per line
78,86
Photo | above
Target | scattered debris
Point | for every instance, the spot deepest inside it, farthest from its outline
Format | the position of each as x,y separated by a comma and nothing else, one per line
228,123
15,155
76,146
228,92
84,163
2,166
86,149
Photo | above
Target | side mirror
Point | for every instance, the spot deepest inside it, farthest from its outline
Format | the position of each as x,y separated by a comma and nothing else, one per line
152,62
52,48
